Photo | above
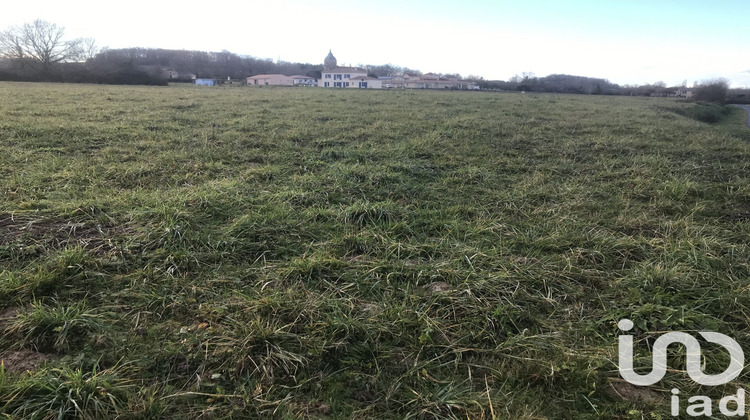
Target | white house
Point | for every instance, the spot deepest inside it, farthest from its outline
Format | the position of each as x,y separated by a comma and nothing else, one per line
364,82
355,77
684,92
341,77
280,80
436,81
304,80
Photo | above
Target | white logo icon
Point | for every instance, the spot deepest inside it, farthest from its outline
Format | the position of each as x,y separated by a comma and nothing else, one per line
693,349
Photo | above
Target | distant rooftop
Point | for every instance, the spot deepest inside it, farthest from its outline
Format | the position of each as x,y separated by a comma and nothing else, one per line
345,70
266,76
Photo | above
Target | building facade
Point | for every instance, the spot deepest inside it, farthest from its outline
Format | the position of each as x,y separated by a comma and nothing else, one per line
270,80
280,80
435,81
304,80
336,76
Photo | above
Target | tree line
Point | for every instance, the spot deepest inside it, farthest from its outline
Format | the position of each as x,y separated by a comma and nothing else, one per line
715,90
184,65
39,51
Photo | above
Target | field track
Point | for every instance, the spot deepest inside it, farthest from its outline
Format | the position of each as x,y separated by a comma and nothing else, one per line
747,109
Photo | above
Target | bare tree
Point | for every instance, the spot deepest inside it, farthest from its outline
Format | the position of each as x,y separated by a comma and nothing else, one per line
88,49
39,44
11,45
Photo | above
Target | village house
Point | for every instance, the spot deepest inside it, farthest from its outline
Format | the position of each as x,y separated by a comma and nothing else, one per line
355,77
280,80
304,80
684,92
270,80
346,77
397,81
365,82
435,81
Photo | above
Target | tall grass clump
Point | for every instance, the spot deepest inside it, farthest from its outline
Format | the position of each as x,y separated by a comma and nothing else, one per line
64,393
55,326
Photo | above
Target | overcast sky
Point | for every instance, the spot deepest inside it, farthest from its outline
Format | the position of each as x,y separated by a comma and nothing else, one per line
625,41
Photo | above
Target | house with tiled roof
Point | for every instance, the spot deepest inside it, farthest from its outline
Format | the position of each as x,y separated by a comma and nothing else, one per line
270,80
280,80
337,76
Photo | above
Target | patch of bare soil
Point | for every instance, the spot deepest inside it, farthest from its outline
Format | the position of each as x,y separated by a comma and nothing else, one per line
736,214
630,392
20,361
7,316
436,287
55,234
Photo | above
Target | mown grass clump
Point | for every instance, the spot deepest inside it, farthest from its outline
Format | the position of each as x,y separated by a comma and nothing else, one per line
313,253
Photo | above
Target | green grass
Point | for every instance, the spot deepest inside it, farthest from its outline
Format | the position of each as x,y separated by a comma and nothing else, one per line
728,118
736,123
69,393
313,253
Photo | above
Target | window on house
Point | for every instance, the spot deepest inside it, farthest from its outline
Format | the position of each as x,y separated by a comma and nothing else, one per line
363,84
336,77
347,76
326,84
327,76
336,84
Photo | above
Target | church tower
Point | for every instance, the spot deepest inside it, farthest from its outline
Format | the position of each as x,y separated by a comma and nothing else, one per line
329,62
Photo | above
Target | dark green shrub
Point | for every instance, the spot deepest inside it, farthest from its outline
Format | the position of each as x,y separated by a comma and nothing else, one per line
713,91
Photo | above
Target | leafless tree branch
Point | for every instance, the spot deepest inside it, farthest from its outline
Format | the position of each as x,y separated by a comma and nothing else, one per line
40,44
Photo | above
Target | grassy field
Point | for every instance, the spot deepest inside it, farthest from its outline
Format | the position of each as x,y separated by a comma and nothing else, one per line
186,252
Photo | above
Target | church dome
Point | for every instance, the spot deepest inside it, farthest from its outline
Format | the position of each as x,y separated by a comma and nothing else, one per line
330,61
